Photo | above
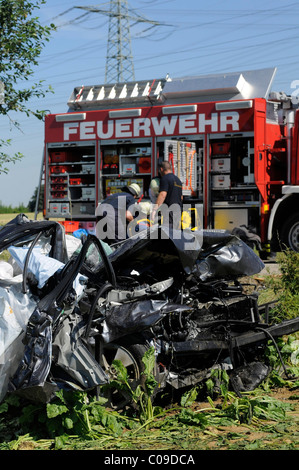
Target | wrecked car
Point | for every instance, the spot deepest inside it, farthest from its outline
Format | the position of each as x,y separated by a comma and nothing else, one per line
70,308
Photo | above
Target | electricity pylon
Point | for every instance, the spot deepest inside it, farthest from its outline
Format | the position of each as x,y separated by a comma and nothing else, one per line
119,60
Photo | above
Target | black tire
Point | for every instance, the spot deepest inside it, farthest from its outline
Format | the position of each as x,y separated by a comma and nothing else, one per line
131,357
290,233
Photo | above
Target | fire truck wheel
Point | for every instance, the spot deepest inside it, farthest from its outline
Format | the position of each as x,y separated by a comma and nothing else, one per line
290,232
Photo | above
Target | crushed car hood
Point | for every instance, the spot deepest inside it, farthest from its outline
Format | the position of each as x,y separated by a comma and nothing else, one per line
208,253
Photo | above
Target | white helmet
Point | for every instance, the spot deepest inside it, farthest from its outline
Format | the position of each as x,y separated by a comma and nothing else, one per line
155,186
134,189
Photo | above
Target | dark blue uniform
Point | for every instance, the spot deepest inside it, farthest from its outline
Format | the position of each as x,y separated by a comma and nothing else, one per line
111,217
173,186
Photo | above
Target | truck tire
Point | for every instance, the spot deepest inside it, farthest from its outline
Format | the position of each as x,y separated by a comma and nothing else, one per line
290,233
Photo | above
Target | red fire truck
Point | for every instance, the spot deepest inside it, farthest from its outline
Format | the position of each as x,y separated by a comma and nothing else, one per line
232,141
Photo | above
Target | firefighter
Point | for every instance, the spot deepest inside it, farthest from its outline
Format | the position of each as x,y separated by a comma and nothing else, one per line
170,197
115,213
154,189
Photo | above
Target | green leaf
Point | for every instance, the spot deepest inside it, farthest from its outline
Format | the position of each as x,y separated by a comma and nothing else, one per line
68,423
189,397
149,360
60,441
3,407
54,410
122,373
193,419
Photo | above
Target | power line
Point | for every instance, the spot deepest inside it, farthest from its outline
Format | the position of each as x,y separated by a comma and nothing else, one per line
119,60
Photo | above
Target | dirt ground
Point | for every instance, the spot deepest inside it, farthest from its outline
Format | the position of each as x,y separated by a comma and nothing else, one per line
266,435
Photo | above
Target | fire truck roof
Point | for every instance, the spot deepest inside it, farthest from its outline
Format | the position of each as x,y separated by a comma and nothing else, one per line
214,87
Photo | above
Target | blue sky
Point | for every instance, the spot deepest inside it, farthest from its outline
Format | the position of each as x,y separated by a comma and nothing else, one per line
195,38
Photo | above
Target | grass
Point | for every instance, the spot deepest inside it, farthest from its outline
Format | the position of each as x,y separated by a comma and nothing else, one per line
5,218
256,421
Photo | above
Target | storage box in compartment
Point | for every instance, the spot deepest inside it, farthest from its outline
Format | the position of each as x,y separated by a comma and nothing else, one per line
88,193
75,181
59,208
221,148
221,181
58,169
88,169
58,195
58,187
110,169
88,208
55,207
114,169
70,225
227,219
59,179
128,165
65,208
69,156
58,157
143,150
221,164
129,168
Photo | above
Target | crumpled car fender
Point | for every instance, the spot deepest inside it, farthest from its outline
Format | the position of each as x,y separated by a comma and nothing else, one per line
131,317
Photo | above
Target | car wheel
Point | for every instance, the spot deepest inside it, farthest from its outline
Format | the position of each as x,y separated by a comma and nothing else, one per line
131,357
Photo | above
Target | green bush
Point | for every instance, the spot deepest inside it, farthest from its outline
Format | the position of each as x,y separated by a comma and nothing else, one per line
286,286
13,210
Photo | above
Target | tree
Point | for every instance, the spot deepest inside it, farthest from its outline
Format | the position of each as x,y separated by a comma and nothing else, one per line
32,202
22,39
